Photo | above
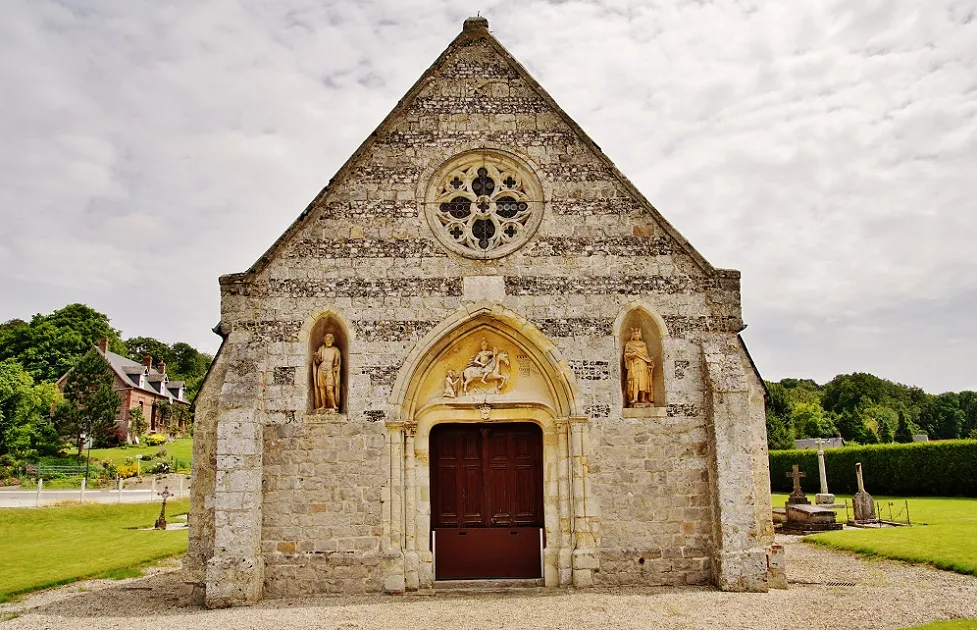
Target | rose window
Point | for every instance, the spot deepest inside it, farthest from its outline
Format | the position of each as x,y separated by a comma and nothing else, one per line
484,208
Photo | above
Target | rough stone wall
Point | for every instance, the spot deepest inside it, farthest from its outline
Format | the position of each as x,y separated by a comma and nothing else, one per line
200,546
366,253
322,525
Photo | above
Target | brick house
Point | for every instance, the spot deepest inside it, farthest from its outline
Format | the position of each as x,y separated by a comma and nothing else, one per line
140,386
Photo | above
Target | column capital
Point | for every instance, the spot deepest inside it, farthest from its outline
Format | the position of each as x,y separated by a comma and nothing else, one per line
410,428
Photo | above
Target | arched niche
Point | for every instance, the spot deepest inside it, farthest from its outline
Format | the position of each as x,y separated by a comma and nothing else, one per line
328,324
652,331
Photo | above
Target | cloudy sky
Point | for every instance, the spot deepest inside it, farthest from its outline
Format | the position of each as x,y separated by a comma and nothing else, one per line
826,149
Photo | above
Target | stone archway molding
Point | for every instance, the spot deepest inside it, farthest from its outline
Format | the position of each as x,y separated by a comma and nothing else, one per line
402,402
570,514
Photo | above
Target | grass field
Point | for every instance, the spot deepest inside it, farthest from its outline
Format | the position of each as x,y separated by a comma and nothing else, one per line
944,533
181,449
956,624
46,547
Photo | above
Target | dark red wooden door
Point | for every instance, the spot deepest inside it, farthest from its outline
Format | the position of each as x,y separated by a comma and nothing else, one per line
487,477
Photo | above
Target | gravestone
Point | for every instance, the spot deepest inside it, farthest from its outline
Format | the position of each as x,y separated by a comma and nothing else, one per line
824,497
797,496
862,501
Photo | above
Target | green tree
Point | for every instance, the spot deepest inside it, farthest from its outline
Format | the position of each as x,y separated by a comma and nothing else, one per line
139,347
886,434
905,429
137,422
810,421
91,404
164,415
50,345
942,417
26,429
778,434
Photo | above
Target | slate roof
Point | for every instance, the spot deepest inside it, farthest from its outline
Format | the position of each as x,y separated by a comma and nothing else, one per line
129,373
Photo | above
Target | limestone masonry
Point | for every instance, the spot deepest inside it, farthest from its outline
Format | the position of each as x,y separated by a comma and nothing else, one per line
522,353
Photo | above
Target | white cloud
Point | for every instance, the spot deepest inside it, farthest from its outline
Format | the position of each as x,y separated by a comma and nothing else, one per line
825,149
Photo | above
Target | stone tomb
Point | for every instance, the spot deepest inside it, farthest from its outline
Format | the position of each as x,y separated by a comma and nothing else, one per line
479,333
809,519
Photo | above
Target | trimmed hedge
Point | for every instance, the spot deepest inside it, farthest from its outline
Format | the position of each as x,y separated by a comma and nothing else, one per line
942,469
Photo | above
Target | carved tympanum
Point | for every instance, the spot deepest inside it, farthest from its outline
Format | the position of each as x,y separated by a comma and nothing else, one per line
488,367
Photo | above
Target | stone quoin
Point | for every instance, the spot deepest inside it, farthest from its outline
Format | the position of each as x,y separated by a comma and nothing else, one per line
492,288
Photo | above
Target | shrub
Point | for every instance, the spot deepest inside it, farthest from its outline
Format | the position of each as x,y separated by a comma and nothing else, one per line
161,468
125,470
922,469
160,454
155,439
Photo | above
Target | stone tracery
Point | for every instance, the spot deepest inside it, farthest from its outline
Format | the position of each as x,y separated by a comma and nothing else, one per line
484,205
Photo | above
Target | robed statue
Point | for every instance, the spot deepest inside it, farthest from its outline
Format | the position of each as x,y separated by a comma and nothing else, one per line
639,367
326,374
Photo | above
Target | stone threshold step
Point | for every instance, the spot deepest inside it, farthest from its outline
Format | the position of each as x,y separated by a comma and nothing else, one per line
486,586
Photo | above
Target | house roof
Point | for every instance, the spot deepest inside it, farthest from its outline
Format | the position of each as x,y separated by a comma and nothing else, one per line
129,372
474,29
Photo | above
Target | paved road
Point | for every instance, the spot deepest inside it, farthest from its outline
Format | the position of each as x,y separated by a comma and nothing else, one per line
28,497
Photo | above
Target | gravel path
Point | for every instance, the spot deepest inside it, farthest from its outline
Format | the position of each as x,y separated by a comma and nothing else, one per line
887,595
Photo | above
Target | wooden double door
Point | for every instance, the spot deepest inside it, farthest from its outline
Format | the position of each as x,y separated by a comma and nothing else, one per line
487,500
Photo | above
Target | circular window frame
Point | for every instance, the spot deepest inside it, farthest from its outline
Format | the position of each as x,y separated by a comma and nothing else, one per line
530,192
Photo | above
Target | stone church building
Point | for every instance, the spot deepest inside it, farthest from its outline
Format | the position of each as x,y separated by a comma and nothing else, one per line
479,353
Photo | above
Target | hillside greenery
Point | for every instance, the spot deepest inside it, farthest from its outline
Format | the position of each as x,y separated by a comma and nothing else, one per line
865,409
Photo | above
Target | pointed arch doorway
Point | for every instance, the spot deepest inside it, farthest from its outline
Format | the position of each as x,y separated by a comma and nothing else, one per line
486,388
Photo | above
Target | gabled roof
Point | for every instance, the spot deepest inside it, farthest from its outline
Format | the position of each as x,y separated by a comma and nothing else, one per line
474,29
129,372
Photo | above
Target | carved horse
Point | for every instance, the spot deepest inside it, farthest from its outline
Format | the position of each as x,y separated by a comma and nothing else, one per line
490,372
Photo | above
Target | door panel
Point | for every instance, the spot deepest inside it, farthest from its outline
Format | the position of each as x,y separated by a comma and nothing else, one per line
493,473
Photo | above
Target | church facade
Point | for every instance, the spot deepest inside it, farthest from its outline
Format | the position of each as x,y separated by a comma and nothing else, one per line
479,353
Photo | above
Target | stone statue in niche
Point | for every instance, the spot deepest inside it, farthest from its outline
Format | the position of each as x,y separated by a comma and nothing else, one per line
486,366
327,374
639,367
451,383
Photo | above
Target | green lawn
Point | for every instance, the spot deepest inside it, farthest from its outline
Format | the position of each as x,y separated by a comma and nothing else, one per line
944,533
181,449
956,624
45,547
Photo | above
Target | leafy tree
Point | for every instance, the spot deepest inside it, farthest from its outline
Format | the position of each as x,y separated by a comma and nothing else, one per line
164,414
139,347
91,403
778,401
886,434
942,417
50,345
137,422
778,434
905,429
809,420
25,408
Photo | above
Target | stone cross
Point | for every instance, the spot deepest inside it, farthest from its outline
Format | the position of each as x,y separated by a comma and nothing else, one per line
797,496
161,521
797,475
824,497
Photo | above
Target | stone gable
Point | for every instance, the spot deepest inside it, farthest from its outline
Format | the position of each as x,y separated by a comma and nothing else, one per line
290,499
